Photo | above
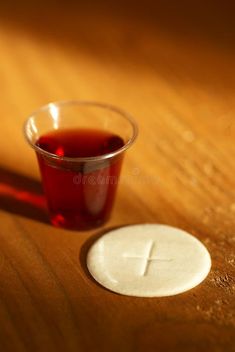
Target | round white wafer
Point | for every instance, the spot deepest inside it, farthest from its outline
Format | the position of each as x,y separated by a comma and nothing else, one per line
148,260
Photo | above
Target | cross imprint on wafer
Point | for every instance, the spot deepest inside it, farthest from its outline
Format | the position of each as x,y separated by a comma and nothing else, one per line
147,258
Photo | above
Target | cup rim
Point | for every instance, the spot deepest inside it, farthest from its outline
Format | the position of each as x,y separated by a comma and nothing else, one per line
61,103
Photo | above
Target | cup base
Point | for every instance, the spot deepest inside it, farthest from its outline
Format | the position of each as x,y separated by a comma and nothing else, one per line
76,224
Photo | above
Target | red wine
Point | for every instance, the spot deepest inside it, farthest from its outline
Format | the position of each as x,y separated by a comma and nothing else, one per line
80,194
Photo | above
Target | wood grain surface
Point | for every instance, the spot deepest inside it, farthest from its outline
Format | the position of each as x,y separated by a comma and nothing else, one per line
171,65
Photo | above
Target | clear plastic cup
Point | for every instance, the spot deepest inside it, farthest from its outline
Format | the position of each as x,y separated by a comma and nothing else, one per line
80,191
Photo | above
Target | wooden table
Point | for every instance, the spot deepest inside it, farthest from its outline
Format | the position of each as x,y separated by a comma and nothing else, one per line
172,67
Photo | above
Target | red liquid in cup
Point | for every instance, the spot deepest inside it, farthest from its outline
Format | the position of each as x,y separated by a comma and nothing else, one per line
79,194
